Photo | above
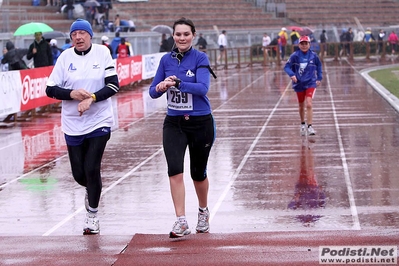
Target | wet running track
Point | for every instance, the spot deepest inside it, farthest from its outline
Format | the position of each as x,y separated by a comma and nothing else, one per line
275,196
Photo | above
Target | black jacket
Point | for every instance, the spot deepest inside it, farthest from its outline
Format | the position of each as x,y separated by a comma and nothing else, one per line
202,43
14,57
44,56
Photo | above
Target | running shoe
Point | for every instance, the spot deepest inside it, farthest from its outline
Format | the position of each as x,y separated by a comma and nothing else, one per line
179,229
203,221
311,131
91,225
302,131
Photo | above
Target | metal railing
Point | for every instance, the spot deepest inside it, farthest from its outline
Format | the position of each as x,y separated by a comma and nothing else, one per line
256,55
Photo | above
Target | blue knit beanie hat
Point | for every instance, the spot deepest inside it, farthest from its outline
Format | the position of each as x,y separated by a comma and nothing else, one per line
81,24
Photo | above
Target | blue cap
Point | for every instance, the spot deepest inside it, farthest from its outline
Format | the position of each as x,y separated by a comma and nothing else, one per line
81,24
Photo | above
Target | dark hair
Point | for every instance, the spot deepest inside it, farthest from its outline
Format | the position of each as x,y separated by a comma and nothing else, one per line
184,21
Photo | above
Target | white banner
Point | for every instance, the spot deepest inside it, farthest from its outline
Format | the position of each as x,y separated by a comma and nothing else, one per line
10,92
150,63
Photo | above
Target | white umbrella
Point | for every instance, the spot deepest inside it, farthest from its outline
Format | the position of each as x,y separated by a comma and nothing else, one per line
91,3
164,29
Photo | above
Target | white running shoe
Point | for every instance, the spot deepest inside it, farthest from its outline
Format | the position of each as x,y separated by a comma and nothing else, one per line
179,229
91,225
302,131
311,131
203,221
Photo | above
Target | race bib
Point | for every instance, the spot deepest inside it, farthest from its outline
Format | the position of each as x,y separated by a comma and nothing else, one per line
178,100
302,66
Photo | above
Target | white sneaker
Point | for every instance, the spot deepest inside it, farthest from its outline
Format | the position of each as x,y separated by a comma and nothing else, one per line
203,221
302,131
311,131
179,229
91,224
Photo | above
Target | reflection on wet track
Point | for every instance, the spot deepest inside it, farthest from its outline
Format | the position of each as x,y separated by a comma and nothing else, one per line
263,175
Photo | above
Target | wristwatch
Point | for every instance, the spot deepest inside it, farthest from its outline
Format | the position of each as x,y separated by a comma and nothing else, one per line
177,83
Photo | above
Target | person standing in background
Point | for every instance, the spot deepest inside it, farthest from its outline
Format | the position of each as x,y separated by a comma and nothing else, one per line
69,8
201,43
14,57
163,45
123,49
184,76
222,42
368,36
104,41
55,50
67,44
114,44
295,39
117,23
283,41
107,5
393,42
40,51
4,67
87,112
323,41
380,39
265,41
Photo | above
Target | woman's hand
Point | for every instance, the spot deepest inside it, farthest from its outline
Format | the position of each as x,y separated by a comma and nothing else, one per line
166,84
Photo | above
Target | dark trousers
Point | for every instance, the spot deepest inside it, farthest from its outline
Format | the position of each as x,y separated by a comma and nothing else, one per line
85,162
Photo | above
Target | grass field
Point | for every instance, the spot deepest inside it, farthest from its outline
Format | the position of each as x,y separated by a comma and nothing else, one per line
389,78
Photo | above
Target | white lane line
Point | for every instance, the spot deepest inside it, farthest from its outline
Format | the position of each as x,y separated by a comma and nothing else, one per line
66,152
31,172
355,217
244,160
69,217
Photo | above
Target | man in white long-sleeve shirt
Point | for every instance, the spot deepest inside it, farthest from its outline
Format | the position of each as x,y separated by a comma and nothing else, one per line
222,42
84,78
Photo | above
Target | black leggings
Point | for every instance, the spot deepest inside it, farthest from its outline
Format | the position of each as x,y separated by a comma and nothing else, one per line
196,132
85,162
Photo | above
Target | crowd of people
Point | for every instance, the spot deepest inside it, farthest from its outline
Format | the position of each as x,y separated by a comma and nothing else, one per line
45,52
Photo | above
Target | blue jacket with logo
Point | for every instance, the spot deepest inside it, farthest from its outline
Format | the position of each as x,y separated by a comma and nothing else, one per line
307,69
192,68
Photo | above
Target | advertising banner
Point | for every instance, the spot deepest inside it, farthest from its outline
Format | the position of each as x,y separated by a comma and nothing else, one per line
34,88
129,69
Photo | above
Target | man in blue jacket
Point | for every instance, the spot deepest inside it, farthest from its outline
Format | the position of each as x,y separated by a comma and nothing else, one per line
304,69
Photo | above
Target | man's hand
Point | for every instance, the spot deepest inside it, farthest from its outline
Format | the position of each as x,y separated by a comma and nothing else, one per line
80,94
84,105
